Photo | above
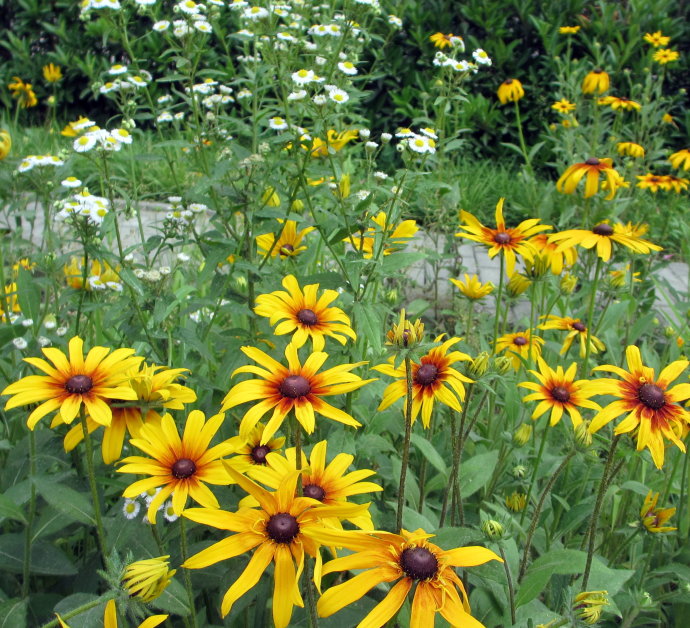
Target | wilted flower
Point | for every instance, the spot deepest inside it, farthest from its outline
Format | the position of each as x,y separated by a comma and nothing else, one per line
653,518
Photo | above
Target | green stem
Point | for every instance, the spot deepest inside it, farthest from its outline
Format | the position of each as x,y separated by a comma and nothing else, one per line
511,588
406,445
523,146
457,455
447,493
187,576
30,518
534,471
73,613
590,316
681,504
499,294
94,488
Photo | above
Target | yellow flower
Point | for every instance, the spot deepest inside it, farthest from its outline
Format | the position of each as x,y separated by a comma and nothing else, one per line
305,314
557,259
270,197
563,106
588,605
617,278
405,333
558,391
249,451
516,501
10,305
289,241
518,284
653,518
667,118
110,618
653,182
298,387
568,30
433,379
5,143
472,288
656,39
510,90
665,55
590,169
99,273
52,73
443,41
70,131
393,237
681,159
576,329
73,380
617,103
652,411
630,149
333,143
408,559
180,466
508,240
677,184
518,347
23,92
147,579
597,81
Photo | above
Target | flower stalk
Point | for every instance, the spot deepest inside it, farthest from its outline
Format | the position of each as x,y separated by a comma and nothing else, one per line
406,444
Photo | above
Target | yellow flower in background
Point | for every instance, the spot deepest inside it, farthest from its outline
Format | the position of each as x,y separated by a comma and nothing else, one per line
74,380
110,618
80,123
665,55
681,159
5,144
510,90
249,452
596,82
563,106
517,347
652,409
653,182
11,302
631,149
99,274
589,605
433,379
52,73
522,434
653,518
181,467
657,39
270,197
333,143
568,30
618,277
576,329
299,387
556,259
305,314
677,184
394,237
289,242
667,118
590,169
147,579
508,240
558,391
516,501
23,93
472,288
444,41
518,284
408,559
621,103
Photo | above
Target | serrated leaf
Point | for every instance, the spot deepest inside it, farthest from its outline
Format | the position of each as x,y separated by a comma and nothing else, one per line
66,500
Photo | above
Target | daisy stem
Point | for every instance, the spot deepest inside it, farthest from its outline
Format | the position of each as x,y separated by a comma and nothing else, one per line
92,485
499,294
187,576
406,445
592,530
590,316
30,518
509,578
534,471
537,513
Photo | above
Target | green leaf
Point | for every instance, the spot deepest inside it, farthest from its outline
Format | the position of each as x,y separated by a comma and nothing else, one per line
66,500
413,520
476,472
87,619
563,562
370,323
45,558
428,451
13,613
397,261
9,509
28,295
173,600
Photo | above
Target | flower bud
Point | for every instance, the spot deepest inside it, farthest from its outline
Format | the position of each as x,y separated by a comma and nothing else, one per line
479,365
270,197
519,471
405,334
583,438
502,365
147,579
297,205
392,296
522,434
492,529
516,501
568,283
669,332
589,604
517,284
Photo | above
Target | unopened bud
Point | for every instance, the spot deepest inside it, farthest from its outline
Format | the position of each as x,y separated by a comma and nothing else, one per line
492,529
297,205
519,471
583,437
568,283
669,332
522,434
502,365
405,334
479,365
516,501
517,284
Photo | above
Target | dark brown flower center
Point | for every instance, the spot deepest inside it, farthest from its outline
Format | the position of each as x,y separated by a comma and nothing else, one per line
282,528
286,249
258,454
294,386
307,317
418,563
559,393
314,491
183,468
502,237
79,384
603,229
508,82
652,396
520,341
592,161
426,374
597,70
578,326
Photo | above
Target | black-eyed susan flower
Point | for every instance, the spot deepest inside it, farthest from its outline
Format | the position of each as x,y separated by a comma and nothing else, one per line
677,184
630,149
333,143
559,392
653,518
305,314
472,288
433,379
665,55
652,409
155,387
298,387
657,39
281,531
589,605
5,143
557,259
590,169
681,159
249,452
392,237
653,182
406,559
405,334
99,275
75,380
23,93
441,40
52,73
563,106
510,90
289,241
147,579
110,618
520,346
181,467
619,103
603,236
329,484
507,240
568,30
576,330
596,82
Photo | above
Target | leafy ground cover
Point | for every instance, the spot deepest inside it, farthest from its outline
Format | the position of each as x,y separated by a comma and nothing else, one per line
245,418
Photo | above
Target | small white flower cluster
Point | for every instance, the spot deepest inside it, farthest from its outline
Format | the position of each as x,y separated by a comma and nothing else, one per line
194,19
132,507
181,214
35,161
205,313
323,30
95,5
84,204
480,58
154,276
423,142
102,139
214,93
126,81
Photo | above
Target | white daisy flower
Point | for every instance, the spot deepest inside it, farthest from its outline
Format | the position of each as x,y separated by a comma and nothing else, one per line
300,94
179,115
347,67
404,132
20,343
189,7
109,87
137,81
84,143
421,144
480,56
255,13
245,33
370,146
164,116
394,20
338,95
244,93
148,496
169,513
302,77
386,137
319,99
460,66
180,28
118,68
381,176
203,26
286,37
161,25
121,135
145,3
429,132
320,61
43,341
82,124
70,182
277,123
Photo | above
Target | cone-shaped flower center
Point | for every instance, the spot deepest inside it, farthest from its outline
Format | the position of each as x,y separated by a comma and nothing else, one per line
183,468
508,82
314,491
502,237
79,384
282,528
578,326
592,161
520,341
287,248
259,453
652,396
603,229
597,70
307,317
419,563
426,374
294,386
560,394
